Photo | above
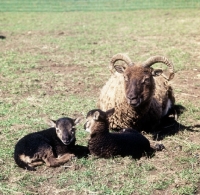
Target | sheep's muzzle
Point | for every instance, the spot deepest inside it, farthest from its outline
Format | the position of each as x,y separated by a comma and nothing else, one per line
134,102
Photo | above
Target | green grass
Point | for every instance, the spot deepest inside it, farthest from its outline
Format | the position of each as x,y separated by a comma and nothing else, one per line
91,5
54,65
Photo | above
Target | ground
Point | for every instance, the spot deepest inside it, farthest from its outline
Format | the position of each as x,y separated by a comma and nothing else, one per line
49,70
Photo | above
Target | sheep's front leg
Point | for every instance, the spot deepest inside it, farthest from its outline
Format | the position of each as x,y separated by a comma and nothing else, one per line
51,161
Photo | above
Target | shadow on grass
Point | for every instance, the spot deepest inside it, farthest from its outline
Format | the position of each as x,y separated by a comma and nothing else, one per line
170,126
80,151
2,37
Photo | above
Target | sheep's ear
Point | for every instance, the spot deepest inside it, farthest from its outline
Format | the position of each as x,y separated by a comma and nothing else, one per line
119,69
78,120
110,112
96,115
51,123
157,72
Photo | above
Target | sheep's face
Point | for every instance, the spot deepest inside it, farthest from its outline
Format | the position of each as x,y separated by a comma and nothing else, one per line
92,118
65,129
139,84
96,119
89,124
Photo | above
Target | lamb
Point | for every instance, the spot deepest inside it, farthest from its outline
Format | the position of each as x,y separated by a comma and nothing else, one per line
52,146
140,94
104,144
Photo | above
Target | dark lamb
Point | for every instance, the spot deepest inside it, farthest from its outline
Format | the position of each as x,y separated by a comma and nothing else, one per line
52,146
104,144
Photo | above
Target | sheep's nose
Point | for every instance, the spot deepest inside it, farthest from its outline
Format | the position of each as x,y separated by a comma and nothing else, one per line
133,100
66,139
132,97
66,142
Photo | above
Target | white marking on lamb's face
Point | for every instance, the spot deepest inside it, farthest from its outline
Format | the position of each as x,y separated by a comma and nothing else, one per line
88,130
59,133
87,126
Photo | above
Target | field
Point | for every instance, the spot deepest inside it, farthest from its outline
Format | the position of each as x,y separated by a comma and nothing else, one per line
92,5
54,65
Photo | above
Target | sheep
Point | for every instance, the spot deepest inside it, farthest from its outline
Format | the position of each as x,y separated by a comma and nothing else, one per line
52,146
140,94
105,144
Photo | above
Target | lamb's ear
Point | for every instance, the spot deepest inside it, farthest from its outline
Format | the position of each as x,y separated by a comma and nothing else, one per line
51,123
110,112
157,72
78,120
96,115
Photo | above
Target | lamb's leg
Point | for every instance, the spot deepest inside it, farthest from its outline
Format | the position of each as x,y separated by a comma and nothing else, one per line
51,161
37,163
28,162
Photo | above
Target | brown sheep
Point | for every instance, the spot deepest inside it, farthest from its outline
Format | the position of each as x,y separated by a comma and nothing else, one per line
140,94
52,146
104,144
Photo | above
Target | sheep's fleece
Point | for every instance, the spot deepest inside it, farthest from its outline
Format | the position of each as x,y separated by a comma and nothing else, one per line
141,95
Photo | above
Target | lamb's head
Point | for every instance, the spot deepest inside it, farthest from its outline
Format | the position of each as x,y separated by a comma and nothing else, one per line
97,120
65,129
139,83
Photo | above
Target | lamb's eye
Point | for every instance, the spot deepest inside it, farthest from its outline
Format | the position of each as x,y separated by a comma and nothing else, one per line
73,130
57,130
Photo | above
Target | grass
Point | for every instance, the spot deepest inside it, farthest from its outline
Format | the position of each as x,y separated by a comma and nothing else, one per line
54,65
90,5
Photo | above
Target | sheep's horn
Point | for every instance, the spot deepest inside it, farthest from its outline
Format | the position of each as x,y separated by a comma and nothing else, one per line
155,59
122,57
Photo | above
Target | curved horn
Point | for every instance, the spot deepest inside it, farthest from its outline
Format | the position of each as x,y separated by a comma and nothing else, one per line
117,57
155,59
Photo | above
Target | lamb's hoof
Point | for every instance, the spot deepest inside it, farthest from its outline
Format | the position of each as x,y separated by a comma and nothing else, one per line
159,147
72,156
30,168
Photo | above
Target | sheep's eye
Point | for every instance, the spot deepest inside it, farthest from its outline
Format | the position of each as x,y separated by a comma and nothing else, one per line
146,81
